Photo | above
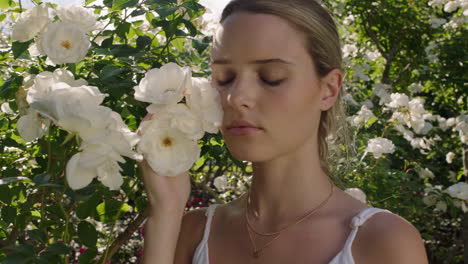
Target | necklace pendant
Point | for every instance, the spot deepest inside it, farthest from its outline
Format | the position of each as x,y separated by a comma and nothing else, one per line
255,254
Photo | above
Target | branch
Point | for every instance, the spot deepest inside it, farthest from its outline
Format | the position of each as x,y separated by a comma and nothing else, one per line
125,235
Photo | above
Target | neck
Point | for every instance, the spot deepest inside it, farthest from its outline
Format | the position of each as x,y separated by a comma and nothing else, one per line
286,188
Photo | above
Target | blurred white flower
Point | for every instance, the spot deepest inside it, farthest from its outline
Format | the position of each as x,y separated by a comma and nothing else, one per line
459,191
426,173
462,128
30,23
168,151
441,206
78,15
429,200
451,6
32,126
378,146
398,100
220,183
359,74
437,22
347,97
165,85
449,157
357,193
415,88
362,116
205,102
5,108
382,91
64,43
349,50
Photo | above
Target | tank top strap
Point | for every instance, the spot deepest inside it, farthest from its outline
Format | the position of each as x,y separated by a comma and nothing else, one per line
358,221
209,216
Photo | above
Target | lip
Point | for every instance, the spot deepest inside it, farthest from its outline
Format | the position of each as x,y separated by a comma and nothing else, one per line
242,128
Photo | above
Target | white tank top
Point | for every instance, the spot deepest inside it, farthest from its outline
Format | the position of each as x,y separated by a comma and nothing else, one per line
343,257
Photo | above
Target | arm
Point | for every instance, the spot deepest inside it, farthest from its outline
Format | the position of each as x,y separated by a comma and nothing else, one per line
389,239
161,233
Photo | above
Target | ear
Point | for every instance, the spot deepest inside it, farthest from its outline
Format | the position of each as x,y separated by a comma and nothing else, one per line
330,86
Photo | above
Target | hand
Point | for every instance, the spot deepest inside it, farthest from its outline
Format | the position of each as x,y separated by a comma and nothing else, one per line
164,193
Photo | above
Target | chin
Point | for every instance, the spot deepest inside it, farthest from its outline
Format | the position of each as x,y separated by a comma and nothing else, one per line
246,152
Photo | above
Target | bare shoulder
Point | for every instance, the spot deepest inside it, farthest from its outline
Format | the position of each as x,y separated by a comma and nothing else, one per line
388,238
191,233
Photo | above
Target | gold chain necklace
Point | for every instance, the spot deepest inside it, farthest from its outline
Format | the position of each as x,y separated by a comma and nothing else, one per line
256,252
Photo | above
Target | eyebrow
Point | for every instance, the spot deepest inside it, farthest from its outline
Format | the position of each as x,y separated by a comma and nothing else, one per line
266,61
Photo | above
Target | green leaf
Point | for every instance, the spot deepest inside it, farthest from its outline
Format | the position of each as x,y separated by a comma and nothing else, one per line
58,249
190,27
123,29
371,121
87,2
5,194
38,235
19,48
87,208
5,4
41,178
88,256
15,179
124,51
2,17
166,11
109,72
121,4
87,234
8,214
109,210
143,42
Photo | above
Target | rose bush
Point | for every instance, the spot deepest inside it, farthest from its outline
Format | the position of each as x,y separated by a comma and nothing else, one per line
69,187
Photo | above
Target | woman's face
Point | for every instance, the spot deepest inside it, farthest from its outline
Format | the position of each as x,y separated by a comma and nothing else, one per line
271,95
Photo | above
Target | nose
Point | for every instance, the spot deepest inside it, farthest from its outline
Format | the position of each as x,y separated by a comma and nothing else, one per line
241,94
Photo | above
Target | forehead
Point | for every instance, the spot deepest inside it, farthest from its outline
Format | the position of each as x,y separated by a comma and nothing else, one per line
247,36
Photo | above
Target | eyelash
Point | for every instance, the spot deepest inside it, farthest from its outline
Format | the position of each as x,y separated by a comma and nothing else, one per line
270,83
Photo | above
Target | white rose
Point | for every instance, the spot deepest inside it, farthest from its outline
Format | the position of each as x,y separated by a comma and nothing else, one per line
64,43
116,135
75,109
362,116
220,183
426,173
378,146
32,126
30,23
168,151
83,167
205,102
357,193
180,117
165,85
459,191
44,81
398,100
78,15
449,157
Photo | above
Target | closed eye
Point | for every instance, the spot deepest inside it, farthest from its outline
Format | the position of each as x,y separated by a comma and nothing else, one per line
225,82
272,83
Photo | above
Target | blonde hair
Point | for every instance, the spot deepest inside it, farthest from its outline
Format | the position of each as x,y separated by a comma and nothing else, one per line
324,47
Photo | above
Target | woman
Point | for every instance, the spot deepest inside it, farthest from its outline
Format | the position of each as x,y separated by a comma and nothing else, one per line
277,66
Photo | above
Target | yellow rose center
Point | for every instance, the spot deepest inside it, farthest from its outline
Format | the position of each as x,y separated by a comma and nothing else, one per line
167,142
66,44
